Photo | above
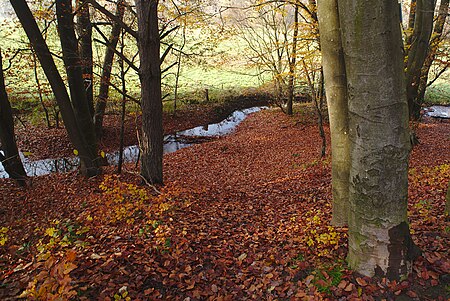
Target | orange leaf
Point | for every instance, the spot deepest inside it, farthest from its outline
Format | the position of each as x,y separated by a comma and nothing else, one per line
361,281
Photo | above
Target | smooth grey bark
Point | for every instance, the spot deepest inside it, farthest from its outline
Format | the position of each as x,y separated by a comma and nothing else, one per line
417,53
105,79
336,94
74,132
379,238
10,157
151,102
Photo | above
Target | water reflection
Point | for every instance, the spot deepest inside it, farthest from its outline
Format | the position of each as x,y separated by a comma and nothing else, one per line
172,143
438,111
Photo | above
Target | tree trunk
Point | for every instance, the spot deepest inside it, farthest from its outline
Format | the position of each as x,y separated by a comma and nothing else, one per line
292,63
434,45
150,77
447,200
85,45
87,158
379,238
411,21
10,157
336,94
106,70
74,72
423,26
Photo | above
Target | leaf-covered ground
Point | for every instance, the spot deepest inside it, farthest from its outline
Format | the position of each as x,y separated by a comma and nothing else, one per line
244,217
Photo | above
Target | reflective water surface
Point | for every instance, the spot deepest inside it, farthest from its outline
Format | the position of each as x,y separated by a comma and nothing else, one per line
172,143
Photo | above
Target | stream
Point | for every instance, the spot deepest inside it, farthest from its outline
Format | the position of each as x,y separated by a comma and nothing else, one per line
172,143
438,112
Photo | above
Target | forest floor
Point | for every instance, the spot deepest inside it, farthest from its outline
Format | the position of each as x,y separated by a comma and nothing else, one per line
241,217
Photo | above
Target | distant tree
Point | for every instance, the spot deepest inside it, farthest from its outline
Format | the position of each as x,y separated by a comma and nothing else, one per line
151,102
10,157
105,78
379,238
74,111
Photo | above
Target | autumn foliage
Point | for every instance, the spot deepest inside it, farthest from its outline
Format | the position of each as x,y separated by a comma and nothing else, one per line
241,217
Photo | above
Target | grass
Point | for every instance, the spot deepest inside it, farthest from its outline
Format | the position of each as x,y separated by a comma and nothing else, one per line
438,94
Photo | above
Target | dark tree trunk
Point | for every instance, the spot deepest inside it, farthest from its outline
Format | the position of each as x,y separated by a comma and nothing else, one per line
434,45
75,133
10,157
150,77
417,53
74,72
292,63
447,200
411,21
106,71
85,45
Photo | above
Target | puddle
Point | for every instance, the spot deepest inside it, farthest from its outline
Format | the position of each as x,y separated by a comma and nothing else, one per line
438,111
172,143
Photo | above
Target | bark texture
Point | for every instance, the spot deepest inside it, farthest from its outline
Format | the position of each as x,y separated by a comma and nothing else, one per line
74,70
417,53
76,135
435,42
10,157
292,63
85,42
447,199
150,77
379,238
336,87
106,70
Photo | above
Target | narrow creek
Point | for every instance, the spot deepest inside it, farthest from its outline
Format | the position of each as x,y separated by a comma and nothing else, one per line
172,143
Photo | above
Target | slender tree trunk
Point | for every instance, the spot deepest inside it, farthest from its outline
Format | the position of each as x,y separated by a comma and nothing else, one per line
74,72
150,77
38,83
336,94
292,63
123,111
423,26
447,199
85,45
436,39
180,56
411,21
10,157
379,238
87,158
106,70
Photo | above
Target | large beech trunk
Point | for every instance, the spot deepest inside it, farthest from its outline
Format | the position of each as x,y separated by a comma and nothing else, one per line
336,88
76,135
151,103
379,238
10,157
